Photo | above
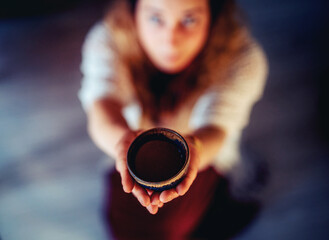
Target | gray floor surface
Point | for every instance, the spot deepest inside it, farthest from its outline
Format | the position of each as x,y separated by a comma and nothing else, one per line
51,173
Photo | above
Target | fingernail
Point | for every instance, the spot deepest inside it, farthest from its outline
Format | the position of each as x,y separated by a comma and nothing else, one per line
179,191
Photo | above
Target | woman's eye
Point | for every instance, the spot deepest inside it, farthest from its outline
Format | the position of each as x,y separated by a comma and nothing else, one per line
156,19
188,21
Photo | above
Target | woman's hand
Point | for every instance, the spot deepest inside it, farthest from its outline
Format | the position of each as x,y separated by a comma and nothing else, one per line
128,183
159,198
148,198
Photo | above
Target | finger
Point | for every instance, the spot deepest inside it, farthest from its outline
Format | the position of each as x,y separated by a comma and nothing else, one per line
141,195
160,204
127,182
155,198
183,187
168,195
126,179
118,165
153,209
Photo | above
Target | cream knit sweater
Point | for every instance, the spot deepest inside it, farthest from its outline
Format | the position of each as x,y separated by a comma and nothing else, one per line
227,106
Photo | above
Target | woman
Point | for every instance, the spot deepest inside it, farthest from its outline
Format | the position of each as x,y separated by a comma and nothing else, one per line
188,65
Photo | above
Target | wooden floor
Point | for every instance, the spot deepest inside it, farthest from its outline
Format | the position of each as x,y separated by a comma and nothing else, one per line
51,173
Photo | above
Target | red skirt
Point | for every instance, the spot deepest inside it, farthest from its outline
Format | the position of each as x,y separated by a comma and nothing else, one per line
207,201
175,220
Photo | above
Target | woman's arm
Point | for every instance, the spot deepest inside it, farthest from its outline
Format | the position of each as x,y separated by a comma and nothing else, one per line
204,144
111,133
208,141
106,125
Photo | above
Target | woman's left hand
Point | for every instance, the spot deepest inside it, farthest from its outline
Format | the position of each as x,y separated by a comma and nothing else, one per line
159,198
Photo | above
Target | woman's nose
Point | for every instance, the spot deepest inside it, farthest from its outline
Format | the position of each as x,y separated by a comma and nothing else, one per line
173,35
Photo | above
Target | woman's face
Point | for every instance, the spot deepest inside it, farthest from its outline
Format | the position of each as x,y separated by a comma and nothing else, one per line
172,32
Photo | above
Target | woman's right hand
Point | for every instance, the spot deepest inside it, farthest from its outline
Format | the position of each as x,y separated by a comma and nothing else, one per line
128,183
106,126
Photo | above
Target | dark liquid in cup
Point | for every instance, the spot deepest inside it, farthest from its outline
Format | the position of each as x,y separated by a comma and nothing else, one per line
158,160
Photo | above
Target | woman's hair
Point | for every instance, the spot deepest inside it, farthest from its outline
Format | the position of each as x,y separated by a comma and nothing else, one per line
158,92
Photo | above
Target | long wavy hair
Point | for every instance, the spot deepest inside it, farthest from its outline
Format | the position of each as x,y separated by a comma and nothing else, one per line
158,92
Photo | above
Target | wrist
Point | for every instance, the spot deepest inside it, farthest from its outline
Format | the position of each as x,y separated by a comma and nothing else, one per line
196,143
195,150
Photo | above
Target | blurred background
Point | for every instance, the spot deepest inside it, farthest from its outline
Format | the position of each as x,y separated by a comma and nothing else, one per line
51,174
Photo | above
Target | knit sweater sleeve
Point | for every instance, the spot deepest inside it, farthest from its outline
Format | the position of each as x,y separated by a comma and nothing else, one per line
95,67
229,105
102,76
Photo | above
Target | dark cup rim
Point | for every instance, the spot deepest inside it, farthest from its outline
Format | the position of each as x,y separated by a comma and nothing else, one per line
161,184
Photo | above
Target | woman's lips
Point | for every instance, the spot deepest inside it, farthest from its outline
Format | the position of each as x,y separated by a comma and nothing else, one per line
171,58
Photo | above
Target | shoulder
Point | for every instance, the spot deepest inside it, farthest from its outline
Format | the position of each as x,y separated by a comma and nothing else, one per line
251,61
97,38
247,71
99,30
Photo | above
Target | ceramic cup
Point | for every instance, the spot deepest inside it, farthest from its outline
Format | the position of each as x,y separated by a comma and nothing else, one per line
158,159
